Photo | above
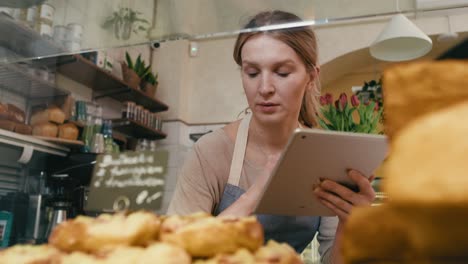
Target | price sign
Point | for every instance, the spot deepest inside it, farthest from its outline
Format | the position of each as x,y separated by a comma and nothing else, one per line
128,181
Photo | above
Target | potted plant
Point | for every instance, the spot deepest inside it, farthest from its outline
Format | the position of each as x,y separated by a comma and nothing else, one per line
133,72
149,84
124,22
138,74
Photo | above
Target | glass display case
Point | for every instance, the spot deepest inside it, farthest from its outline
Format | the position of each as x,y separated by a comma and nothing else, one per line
64,76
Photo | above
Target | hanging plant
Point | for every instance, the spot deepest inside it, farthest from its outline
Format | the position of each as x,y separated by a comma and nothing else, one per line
124,22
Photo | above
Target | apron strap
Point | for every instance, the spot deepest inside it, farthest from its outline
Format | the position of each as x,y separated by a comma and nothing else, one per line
239,151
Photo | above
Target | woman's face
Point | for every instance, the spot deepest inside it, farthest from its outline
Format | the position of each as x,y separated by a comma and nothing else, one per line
274,79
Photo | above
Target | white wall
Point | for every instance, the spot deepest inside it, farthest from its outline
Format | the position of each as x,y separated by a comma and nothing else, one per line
208,87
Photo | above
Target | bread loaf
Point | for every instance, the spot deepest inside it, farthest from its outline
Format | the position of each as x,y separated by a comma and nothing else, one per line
411,90
12,113
428,160
45,130
16,114
68,131
7,124
51,114
23,129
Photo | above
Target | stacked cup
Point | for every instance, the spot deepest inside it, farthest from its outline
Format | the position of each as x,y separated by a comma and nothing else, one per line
69,36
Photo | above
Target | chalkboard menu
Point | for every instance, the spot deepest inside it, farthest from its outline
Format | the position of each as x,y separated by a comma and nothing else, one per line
128,181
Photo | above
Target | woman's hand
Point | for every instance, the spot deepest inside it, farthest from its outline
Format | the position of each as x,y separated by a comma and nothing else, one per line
341,199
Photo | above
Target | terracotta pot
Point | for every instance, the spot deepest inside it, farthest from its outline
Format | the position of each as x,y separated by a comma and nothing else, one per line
130,76
148,88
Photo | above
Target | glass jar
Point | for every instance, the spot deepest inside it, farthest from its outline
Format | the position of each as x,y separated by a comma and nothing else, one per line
128,110
138,113
146,117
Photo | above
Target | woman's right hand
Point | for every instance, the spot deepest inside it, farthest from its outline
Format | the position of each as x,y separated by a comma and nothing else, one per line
245,205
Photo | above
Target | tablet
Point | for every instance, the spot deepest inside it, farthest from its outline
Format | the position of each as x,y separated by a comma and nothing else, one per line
312,154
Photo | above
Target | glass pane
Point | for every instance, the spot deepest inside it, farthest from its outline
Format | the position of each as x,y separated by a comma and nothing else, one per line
38,28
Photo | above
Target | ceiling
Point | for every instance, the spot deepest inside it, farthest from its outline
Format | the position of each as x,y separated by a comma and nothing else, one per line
360,61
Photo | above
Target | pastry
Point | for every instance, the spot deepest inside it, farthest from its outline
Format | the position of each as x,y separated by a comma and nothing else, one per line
208,236
29,254
272,253
411,90
165,254
277,253
45,130
428,161
51,114
241,256
105,232
377,233
68,131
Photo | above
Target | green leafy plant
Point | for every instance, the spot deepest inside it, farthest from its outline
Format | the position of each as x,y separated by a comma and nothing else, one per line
371,90
152,78
124,22
338,115
139,66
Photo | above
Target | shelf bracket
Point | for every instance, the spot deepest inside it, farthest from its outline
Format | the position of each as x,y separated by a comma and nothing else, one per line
112,92
26,155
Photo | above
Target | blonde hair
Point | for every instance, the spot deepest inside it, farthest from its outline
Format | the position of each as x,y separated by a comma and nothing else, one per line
302,40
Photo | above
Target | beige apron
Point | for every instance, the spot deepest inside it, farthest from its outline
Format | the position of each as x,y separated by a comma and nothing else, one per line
298,231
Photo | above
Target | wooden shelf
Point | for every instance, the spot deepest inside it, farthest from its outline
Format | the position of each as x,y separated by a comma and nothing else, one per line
103,83
135,129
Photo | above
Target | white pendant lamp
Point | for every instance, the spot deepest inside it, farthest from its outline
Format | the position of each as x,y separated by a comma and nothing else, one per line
400,40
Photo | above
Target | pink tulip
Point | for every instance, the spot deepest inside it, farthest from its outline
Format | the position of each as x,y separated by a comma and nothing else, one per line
376,107
323,101
355,101
329,98
343,100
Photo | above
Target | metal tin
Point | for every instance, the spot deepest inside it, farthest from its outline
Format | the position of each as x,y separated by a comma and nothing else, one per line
44,29
74,32
45,13
72,45
28,15
60,33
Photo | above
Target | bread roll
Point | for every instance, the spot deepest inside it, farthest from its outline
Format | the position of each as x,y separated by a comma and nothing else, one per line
106,232
376,233
51,114
428,161
45,130
207,236
68,131
23,129
411,90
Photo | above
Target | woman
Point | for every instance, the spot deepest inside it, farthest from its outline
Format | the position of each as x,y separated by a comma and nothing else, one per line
227,170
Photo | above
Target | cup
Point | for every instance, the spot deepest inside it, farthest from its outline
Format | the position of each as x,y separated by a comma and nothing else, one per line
97,144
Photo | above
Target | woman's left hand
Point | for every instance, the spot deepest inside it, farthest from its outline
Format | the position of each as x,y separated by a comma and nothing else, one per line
341,199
